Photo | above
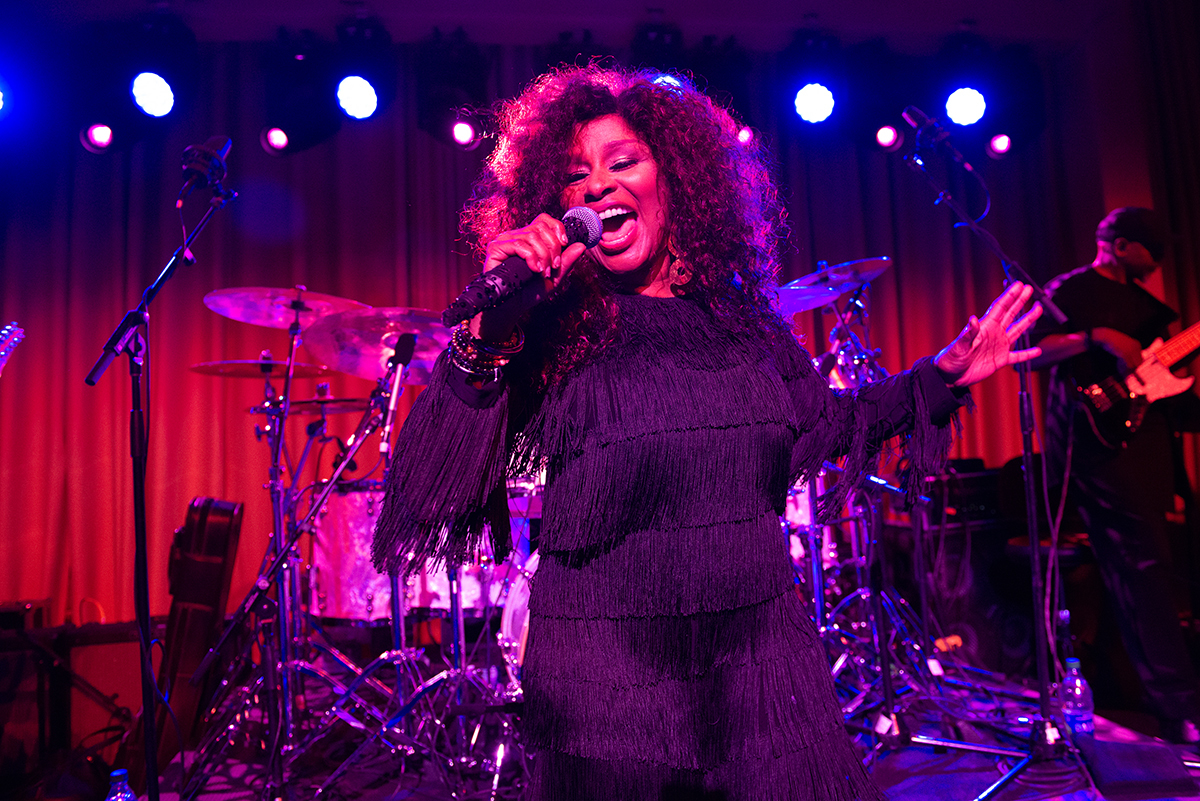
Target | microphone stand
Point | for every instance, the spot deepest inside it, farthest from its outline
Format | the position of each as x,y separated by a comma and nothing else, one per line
1045,740
129,339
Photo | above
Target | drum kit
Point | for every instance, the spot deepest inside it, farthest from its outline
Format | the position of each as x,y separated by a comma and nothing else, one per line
460,719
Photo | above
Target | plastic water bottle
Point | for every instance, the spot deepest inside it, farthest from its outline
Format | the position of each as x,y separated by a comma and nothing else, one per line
118,787
1076,698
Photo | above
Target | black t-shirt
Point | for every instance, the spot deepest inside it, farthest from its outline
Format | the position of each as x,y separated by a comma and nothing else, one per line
1144,468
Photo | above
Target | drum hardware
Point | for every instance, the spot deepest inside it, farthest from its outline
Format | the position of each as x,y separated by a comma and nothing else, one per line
447,715
851,361
279,676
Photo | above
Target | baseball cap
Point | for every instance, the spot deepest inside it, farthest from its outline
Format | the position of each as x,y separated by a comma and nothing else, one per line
1136,224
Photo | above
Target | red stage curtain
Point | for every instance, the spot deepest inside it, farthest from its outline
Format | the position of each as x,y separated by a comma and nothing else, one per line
371,215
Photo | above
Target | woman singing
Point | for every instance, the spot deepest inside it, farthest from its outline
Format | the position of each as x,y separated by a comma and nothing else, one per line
669,655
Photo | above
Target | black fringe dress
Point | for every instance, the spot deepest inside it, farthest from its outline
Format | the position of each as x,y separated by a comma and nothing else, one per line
669,655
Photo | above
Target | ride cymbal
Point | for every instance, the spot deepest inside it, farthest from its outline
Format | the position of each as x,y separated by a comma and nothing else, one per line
274,307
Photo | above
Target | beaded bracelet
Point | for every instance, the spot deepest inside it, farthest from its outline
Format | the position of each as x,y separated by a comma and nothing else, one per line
480,359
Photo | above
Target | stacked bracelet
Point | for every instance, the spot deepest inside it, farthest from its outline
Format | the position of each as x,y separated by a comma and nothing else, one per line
482,359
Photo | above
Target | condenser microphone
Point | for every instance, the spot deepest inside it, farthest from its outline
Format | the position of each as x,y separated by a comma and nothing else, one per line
496,286
204,165
931,133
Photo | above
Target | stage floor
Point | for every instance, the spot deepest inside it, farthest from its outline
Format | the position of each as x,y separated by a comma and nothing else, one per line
910,773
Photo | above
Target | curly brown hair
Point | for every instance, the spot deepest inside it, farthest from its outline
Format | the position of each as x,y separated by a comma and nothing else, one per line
726,218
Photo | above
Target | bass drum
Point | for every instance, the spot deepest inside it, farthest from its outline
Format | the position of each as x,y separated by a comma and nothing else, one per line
346,588
514,622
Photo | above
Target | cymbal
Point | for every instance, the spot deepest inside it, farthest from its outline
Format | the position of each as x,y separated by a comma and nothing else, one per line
824,286
322,406
275,308
258,368
361,341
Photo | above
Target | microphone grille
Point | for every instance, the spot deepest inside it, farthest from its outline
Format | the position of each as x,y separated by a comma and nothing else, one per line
583,225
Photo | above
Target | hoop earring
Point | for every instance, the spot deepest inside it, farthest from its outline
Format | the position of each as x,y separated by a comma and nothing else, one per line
679,275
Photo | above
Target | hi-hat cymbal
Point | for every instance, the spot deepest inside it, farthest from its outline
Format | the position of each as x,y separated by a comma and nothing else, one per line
276,308
258,368
361,341
824,286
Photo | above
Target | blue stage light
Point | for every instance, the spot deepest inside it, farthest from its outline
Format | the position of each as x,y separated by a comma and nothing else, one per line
814,103
669,81
965,106
152,94
357,97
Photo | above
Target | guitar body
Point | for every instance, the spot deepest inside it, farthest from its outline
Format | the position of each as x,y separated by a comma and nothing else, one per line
200,572
1115,409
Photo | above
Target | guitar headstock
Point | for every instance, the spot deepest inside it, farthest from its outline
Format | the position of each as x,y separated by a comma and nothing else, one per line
10,336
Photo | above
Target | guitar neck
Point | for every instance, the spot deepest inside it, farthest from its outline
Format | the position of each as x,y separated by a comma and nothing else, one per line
1180,346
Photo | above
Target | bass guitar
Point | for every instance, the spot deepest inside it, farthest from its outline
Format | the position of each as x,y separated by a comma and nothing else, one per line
1115,408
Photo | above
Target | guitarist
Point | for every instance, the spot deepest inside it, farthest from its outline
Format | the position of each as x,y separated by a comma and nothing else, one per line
1123,489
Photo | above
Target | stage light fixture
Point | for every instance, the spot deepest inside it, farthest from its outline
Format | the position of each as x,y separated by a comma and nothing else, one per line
301,94
999,145
451,77
814,67
274,140
152,94
357,97
814,102
100,137
668,80
367,67
966,106
463,132
890,138
745,135
964,81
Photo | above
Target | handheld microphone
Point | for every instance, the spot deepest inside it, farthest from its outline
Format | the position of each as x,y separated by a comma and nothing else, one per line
496,286
925,126
204,165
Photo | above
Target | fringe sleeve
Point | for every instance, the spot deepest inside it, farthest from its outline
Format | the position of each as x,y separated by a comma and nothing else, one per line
855,424
450,465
